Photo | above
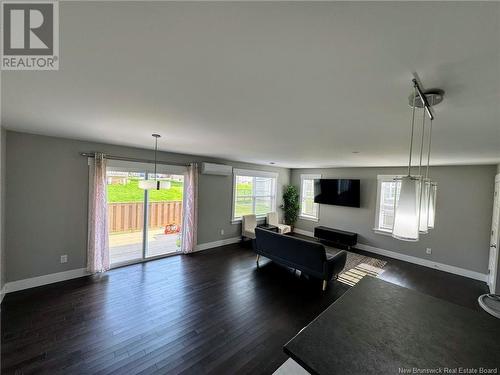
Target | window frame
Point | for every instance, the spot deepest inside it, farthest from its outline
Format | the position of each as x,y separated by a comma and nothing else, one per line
254,173
301,215
380,180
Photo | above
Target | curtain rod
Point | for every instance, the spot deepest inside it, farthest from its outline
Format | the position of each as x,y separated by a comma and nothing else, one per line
124,158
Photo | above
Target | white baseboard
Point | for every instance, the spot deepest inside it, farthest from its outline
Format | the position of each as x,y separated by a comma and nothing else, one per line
211,245
411,259
33,282
425,262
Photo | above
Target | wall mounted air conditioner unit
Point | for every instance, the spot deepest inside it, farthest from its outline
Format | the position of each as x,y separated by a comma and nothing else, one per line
216,169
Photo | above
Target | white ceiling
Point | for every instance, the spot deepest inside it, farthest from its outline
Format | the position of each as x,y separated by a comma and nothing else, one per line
299,84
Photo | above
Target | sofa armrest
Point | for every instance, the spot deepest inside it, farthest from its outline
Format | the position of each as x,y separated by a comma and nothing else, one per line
335,265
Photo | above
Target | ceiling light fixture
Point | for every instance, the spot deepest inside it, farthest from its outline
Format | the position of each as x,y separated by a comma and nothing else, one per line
432,186
429,187
154,184
406,210
415,206
425,186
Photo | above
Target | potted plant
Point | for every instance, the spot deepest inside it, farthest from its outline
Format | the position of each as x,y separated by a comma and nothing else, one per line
290,204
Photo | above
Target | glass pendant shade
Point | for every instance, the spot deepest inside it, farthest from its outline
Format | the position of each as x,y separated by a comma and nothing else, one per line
424,206
154,185
432,205
406,213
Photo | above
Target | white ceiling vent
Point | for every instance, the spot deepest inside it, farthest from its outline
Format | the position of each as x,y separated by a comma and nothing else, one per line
216,169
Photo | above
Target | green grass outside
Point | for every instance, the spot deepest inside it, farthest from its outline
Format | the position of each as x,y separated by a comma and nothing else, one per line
130,192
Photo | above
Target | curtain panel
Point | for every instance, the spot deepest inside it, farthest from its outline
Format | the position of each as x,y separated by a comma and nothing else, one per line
97,245
190,215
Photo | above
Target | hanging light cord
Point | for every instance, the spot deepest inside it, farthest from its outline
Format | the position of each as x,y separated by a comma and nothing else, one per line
412,127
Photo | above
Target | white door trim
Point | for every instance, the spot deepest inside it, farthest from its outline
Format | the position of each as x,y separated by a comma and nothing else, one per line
494,238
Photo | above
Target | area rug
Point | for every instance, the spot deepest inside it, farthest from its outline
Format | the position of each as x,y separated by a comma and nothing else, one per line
358,266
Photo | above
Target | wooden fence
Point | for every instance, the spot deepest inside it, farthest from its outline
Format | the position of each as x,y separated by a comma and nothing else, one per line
124,217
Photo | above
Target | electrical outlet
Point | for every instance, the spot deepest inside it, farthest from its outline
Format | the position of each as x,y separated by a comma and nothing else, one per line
64,258
428,250
222,232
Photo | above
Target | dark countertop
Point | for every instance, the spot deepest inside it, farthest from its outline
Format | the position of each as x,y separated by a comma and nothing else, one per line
378,327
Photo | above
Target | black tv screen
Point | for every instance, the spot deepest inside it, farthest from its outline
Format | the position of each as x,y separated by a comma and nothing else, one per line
339,192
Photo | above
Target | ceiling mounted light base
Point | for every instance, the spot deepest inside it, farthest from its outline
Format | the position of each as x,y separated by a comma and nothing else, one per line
433,96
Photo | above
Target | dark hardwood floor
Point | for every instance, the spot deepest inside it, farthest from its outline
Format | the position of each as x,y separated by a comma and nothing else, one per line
211,312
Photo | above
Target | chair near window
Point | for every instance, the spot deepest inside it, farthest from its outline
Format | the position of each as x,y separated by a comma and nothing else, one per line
248,224
272,219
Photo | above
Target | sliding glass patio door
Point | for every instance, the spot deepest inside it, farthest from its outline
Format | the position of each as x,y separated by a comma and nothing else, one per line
164,217
125,216
143,224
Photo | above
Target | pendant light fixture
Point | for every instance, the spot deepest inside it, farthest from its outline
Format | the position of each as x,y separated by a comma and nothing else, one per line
432,205
154,184
429,188
425,185
432,189
414,211
423,226
407,206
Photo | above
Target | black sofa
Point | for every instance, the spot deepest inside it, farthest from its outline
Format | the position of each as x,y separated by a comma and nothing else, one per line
307,256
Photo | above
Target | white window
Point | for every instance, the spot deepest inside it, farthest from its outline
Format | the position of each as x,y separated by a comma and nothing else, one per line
308,209
387,192
254,192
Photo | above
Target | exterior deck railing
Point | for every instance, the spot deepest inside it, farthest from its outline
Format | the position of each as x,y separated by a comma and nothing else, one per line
129,216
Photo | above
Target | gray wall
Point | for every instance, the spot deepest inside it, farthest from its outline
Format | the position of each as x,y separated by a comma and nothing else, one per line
47,193
463,215
46,206
2,208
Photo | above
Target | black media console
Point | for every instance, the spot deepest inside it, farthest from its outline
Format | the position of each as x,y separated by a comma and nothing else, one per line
336,237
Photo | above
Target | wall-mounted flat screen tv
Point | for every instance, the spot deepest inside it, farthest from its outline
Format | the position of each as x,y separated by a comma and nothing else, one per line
339,192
